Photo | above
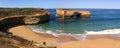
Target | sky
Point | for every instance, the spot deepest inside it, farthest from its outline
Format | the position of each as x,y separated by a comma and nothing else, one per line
105,4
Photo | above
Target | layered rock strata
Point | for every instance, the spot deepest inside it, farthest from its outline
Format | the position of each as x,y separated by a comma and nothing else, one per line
71,13
12,16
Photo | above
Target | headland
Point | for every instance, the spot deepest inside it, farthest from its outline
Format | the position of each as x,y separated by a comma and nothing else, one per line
15,33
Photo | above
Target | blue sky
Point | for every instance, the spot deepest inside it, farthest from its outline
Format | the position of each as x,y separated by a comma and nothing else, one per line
108,4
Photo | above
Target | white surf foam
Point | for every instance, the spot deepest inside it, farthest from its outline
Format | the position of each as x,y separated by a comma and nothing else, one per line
77,36
60,32
110,31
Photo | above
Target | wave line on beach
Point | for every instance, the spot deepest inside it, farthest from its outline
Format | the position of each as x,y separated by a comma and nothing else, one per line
109,31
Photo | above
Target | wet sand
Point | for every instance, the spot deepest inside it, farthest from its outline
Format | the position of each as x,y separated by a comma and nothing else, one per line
109,36
97,43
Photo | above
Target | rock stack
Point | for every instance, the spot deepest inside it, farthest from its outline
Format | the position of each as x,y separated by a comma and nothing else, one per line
71,13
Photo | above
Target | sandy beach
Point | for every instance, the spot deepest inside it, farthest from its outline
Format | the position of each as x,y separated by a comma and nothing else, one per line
69,41
27,33
97,43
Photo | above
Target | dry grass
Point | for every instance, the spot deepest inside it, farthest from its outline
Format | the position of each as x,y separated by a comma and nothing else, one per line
7,40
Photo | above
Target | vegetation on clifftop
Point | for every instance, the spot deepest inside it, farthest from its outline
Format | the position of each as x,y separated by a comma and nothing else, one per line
20,11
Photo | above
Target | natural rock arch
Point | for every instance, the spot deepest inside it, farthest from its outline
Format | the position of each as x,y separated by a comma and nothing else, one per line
69,13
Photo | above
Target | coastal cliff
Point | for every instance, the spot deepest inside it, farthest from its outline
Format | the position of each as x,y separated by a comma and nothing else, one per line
70,13
12,17
23,15
23,37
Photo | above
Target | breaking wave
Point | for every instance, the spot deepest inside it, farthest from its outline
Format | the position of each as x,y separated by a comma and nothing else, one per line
77,36
109,31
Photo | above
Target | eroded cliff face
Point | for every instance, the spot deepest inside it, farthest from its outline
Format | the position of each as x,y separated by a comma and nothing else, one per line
12,17
69,13
20,16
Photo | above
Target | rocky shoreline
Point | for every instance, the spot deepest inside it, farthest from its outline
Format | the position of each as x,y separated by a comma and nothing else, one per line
12,17
15,34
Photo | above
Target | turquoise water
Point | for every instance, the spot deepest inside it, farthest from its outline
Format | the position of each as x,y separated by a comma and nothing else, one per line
100,19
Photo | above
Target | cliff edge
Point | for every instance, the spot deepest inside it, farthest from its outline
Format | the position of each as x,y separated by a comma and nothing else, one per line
23,15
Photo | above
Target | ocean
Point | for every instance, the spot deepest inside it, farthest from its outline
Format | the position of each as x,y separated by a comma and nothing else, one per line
101,21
